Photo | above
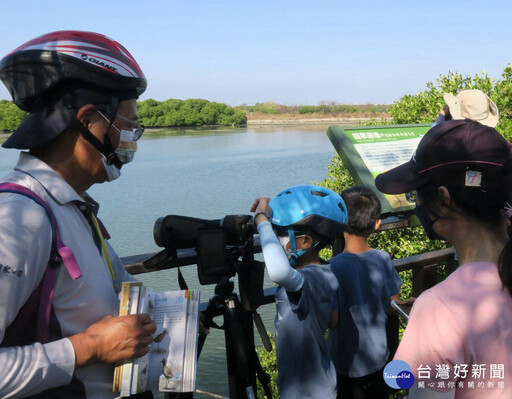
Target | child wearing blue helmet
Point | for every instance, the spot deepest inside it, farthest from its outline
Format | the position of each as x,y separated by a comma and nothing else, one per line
302,220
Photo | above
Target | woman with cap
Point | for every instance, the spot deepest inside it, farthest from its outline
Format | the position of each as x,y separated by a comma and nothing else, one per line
459,336
80,90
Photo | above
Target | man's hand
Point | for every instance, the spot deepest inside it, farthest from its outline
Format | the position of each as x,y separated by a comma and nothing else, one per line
114,339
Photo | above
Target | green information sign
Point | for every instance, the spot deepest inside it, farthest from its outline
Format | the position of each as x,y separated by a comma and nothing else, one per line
370,150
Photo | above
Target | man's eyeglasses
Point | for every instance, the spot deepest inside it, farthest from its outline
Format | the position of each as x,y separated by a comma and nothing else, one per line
136,128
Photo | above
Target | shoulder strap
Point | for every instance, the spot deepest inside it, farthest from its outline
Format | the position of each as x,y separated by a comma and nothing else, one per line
59,253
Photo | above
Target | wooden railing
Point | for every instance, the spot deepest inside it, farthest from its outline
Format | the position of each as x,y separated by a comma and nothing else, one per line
424,275
423,266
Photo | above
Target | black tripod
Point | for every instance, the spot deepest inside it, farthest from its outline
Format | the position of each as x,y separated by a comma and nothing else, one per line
242,359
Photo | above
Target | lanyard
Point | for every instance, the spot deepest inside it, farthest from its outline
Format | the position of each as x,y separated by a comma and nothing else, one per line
105,252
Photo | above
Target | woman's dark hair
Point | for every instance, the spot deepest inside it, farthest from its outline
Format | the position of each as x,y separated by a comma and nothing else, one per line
484,205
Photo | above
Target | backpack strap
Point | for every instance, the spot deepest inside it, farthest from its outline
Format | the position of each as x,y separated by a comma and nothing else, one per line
44,292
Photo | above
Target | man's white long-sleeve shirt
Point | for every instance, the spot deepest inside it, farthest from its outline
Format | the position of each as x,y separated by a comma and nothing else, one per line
25,245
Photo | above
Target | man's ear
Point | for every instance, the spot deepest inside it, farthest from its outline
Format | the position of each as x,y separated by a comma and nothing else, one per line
377,224
86,113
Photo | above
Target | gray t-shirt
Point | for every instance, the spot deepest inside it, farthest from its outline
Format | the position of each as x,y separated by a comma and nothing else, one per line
305,368
367,281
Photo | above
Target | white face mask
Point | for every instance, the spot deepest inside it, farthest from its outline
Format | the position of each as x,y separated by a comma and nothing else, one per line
284,241
127,147
113,171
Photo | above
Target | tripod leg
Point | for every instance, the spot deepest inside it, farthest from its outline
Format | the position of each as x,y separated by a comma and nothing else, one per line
263,377
239,334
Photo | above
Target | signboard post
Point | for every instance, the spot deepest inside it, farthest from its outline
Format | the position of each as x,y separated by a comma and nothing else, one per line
370,150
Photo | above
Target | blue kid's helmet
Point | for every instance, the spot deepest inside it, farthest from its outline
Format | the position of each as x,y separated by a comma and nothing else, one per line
313,208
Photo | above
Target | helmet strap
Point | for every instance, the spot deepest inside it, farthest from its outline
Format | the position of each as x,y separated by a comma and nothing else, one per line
295,253
104,148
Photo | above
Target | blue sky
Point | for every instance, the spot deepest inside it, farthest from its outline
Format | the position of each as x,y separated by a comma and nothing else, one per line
291,52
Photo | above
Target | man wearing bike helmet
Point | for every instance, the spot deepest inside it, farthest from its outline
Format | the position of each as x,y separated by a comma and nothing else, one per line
306,219
80,89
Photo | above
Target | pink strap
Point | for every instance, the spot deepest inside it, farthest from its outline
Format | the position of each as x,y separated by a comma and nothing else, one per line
45,306
49,278
65,252
68,258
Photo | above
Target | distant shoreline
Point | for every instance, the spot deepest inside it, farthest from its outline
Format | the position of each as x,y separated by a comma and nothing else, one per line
309,121
273,120
294,118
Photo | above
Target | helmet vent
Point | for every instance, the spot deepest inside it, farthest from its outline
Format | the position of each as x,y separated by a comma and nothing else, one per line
319,193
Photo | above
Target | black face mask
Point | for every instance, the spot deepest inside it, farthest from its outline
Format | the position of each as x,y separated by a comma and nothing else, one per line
427,223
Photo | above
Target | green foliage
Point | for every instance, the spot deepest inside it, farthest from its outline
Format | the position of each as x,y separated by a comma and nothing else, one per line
269,108
192,112
307,109
335,109
10,115
424,106
268,362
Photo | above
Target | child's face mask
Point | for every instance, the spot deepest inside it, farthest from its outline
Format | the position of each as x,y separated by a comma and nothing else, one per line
285,243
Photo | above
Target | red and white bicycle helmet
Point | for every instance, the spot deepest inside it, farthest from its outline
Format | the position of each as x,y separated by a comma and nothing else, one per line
50,60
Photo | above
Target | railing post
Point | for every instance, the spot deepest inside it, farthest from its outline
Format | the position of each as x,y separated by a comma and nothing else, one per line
451,265
423,278
392,333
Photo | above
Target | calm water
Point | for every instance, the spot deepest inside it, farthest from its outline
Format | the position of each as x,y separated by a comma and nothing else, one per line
207,174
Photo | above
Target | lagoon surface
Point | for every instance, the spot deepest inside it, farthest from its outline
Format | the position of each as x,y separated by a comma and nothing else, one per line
206,174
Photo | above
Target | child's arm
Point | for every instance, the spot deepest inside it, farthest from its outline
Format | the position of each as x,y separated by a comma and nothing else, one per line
278,266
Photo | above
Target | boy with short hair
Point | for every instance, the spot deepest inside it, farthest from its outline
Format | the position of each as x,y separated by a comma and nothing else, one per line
368,282
305,219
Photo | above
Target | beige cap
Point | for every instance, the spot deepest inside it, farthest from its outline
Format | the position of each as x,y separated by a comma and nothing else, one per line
474,105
